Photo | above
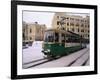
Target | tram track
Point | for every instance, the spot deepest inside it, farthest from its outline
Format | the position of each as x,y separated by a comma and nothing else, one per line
45,60
36,63
85,62
70,64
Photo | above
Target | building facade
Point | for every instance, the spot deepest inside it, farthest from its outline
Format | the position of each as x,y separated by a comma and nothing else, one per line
74,23
33,32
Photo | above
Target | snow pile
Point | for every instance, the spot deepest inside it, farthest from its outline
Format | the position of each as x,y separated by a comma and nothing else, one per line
33,53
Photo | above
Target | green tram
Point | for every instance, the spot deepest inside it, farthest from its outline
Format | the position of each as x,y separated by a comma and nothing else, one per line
61,42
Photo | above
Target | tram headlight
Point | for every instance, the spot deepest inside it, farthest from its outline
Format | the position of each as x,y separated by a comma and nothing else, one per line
48,50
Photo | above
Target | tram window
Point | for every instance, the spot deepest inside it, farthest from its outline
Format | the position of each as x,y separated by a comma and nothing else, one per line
49,37
56,37
72,38
63,37
67,38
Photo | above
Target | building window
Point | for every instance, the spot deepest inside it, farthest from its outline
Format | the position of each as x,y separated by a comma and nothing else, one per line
71,24
82,25
73,29
82,30
85,25
88,26
77,19
82,20
23,30
88,35
71,18
67,24
78,30
67,18
23,36
30,38
30,30
57,22
77,24
57,17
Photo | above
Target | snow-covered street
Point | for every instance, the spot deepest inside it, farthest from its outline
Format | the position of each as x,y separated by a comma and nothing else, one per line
80,57
33,53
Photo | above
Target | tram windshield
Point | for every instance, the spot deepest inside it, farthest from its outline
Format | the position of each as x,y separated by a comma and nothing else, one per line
49,37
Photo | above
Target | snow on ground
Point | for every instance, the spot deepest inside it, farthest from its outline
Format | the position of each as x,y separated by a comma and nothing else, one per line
81,60
33,52
64,61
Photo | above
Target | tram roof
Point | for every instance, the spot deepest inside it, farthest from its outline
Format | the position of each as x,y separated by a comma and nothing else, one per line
64,31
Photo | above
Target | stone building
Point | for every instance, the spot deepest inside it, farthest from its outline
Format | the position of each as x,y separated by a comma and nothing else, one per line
75,23
33,32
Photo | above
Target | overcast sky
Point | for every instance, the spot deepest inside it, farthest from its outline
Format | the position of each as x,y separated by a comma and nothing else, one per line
42,17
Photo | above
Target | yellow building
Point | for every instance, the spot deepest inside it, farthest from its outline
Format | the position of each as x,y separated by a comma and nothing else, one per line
32,32
75,23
